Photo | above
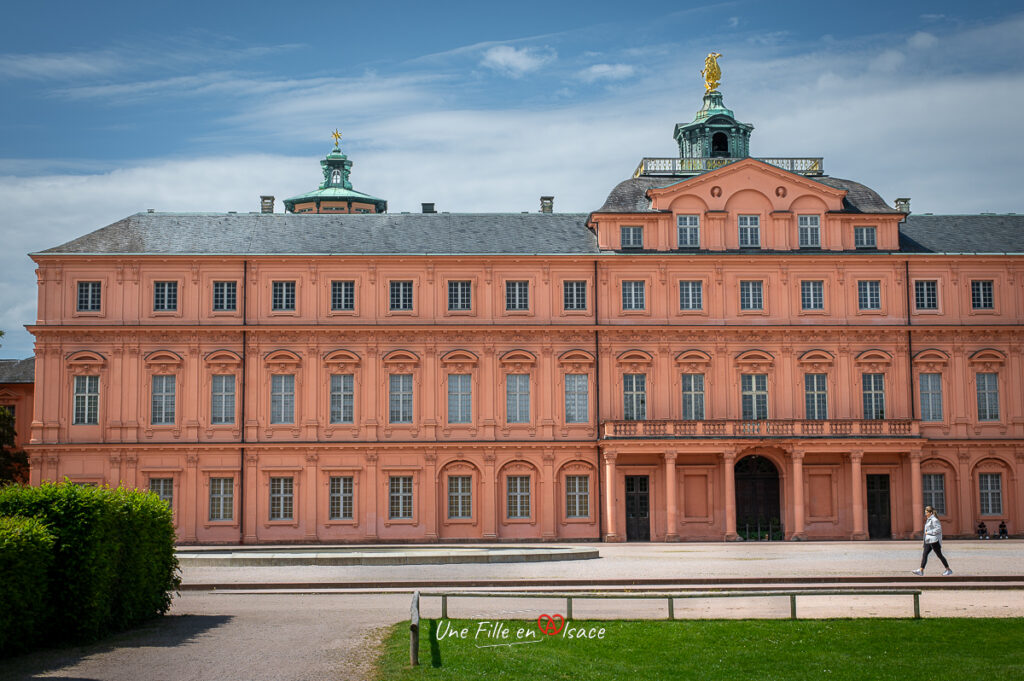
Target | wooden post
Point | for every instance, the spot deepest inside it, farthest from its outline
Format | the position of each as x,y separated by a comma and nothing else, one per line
414,630
917,605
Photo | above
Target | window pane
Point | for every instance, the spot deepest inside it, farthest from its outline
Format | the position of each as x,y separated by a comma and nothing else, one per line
990,493
574,295
400,398
693,397
460,497
815,396
577,496
460,398
873,392
460,295
517,398
812,295
634,393
282,398
162,411
931,398
341,498
401,295
754,397
342,398
633,295
926,295
517,295
343,295
400,500
222,498
933,487
223,399
518,496
988,396
691,295
577,408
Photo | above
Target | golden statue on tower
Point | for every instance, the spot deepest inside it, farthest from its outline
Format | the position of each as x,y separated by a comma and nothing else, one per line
337,137
712,74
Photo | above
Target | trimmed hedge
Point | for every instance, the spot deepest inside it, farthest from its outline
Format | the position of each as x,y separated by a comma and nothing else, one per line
26,555
113,556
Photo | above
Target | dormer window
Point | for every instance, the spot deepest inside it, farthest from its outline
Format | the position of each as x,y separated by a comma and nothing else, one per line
689,231
632,237
336,177
810,231
750,231
864,237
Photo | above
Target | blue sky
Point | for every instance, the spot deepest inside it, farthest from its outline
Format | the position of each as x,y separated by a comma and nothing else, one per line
111,108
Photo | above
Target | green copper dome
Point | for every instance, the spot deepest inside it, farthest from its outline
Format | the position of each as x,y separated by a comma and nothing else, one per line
336,187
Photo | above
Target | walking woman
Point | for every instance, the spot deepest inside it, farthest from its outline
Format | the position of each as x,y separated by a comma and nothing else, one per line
932,541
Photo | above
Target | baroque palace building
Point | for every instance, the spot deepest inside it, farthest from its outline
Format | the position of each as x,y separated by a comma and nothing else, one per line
728,347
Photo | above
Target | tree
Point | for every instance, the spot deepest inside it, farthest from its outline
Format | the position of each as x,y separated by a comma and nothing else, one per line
13,461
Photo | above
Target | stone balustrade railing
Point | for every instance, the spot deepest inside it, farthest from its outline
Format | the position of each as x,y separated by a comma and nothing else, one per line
770,428
669,167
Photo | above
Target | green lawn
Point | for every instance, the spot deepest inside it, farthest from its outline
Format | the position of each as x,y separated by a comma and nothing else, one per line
856,649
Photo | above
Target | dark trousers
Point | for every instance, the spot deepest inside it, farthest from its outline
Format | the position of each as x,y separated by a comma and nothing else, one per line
937,548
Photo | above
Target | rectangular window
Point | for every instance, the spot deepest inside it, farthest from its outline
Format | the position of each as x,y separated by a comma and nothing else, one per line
577,405
222,399
518,496
933,489
343,398
864,237
282,498
751,295
750,231
282,295
282,398
812,295
163,400
517,398
222,498
574,295
633,295
809,228
815,397
165,296
926,295
691,295
400,398
688,228
400,497
460,496
754,405
460,295
869,295
341,498
577,496
87,400
990,493
225,296
460,398
988,396
981,295
163,488
517,295
634,396
631,237
401,295
693,397
931,398
873,394
89,296
343,296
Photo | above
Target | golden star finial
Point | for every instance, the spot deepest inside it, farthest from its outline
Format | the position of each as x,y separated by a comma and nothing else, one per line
337,137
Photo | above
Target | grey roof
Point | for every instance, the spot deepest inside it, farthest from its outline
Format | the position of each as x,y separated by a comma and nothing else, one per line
962,234
18,370
630,196
358,234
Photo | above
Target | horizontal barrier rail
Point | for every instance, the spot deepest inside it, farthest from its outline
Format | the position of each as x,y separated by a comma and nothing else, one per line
803,428
808,165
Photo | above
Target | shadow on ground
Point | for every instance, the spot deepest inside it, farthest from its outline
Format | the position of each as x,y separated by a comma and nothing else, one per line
163,632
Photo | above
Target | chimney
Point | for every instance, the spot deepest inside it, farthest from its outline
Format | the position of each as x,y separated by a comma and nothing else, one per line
266,204
428,208
547,204
903,205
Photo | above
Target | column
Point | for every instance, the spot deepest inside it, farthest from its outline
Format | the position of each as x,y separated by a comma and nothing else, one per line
429,487
252,489
1019,529
488,507
610,534
549,502
916,495
798,496
729,462
371,491
190,510
671,512
857,495
965,494
309,519
131,465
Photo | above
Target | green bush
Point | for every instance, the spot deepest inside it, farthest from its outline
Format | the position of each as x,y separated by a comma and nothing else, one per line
26,555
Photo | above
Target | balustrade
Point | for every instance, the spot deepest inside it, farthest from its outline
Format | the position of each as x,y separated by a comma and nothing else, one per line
813,165
774,428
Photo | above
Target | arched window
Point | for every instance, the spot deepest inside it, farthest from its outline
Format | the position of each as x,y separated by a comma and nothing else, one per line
719,144
336,177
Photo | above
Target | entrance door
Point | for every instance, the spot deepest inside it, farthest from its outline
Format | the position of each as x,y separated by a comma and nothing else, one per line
879,515
638,508
758,516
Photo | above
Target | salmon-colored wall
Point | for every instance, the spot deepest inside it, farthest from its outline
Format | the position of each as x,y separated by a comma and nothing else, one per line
19,396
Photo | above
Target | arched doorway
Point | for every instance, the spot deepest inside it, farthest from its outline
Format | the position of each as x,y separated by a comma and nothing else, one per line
758,515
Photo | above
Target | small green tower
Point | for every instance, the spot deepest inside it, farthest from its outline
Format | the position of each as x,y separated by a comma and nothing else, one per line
335,193
714,132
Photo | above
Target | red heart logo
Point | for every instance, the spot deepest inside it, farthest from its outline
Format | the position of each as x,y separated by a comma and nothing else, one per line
550,624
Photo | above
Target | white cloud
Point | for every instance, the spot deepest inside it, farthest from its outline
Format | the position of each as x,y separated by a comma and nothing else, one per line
517,62
922,41
888,61
606,72
734,22
59,66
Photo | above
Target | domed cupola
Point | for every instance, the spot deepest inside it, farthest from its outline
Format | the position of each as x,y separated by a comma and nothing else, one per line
335,193
714,131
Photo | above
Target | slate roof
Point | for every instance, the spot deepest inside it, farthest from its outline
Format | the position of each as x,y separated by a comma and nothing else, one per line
962,234
348,234
17,370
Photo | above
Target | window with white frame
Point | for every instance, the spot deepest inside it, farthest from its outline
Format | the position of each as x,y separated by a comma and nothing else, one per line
343,296
343,398
815,397
688,228
931,397
864,237
517,496
341,497
754,397
633,295
634,397
517,398
400,497
222,498
163,488
869,295
87,400
460,398
222,399
750,231
162,403
577,406
933,489
460,496
693,397
282,498
873,396
809,229
517,295
691,295
282,398
812,295
89,299
165,296
751,295
401,295
988,396
990,493
577,496
400,398
225,296
460,295
926,295
574,295
982,297
631,237
282,296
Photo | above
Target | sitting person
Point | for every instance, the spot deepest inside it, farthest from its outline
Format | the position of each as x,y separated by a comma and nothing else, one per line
1003,534
982,530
